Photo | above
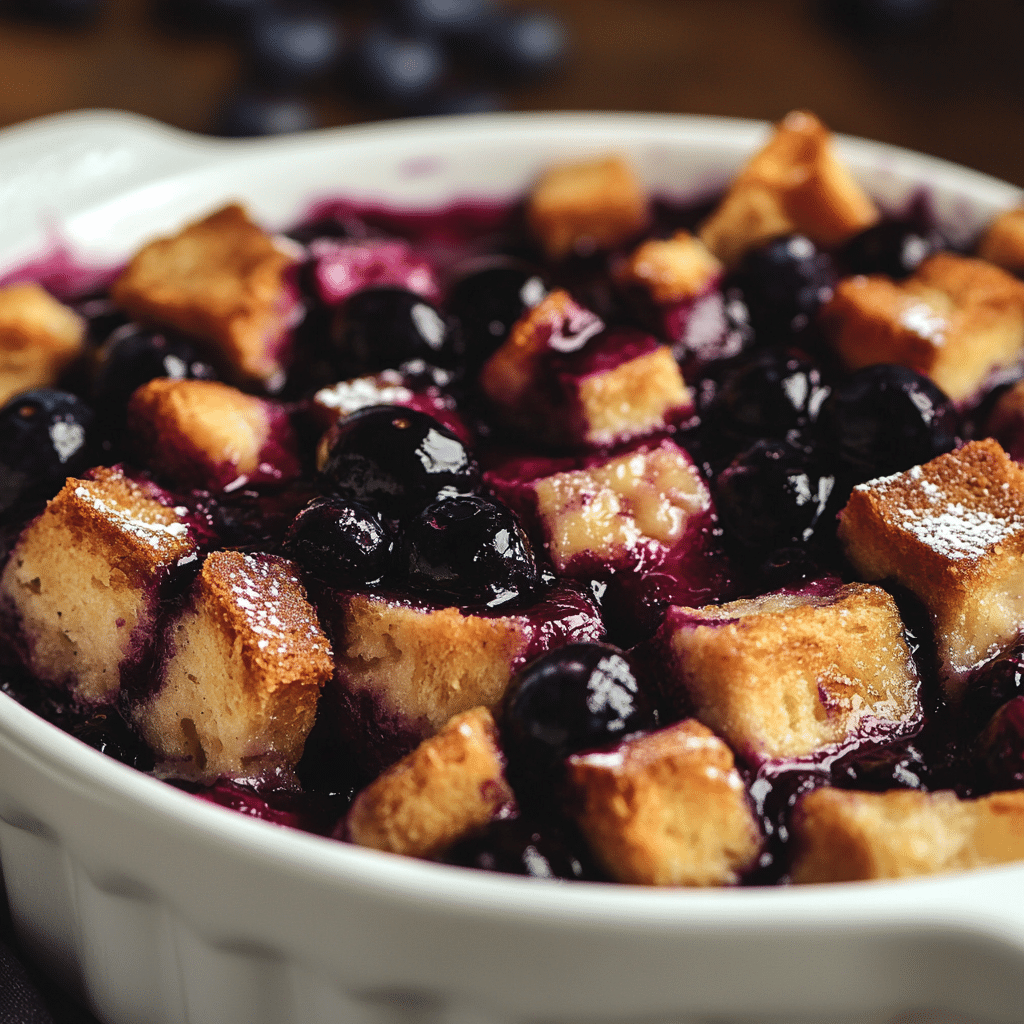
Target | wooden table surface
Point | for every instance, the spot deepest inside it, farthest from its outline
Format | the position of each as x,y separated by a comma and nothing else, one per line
954,90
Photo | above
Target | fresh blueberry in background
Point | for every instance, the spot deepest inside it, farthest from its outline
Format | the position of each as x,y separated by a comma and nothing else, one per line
489,298
290,46
449,101
396,460
520,46
45,437
252,112
65,13
784,283
441,17
884,419
470,549
397,69
892,247
1000,747
108,732
340,542
381,328
776,494
579,697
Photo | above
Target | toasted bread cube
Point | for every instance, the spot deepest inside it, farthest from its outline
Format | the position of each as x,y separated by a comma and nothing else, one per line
625,512
667,808
595,204
242,680
955,320
86,577
1003,241
673,269
450,786
952,532
221,279
845,836
201,433
794,184
39,338
788,676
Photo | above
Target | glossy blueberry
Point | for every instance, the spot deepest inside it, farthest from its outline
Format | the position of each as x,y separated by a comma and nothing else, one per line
523,45
108,732
892,247
784,282
397,69
489,298
525,846
897,766
470,549
340,542
993,686
252,112
381,328
1001,746
395,460
582,696
45,437
886,418
775,494
290,46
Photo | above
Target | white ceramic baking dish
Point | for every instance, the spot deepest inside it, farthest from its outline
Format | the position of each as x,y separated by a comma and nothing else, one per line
157,908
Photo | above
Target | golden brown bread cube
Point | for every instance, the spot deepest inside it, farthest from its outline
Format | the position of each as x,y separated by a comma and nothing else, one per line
221,279
39,338
85,579
671,269
794,184
951,531
955,320
666,808
593,204
845,836
1003,241
242,679
788,675
451,785
201,433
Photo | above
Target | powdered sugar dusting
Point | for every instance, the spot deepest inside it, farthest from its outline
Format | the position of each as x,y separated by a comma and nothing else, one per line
147,528
926,323
957,532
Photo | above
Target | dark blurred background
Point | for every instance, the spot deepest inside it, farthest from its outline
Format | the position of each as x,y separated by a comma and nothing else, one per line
941,76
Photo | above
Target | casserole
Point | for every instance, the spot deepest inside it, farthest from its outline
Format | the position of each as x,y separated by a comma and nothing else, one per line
156,907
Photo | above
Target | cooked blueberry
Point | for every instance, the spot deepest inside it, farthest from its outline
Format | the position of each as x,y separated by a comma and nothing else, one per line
523,45
340,542
396,460
578,697
774,495
395,68
289,46
892,247
255,112
899,766
381,328
886,418
102,315
489,298
996,683
45,437
787,568
1001,746
524,846
784,282
108,732
470,549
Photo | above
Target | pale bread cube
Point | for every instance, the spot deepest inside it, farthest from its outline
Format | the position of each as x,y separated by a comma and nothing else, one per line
39,338
594,204
675,269
795,184
845,836
221,279
450,786
955,320
791,675
242,679
952,532
666,808
201,433
1003,241
85,580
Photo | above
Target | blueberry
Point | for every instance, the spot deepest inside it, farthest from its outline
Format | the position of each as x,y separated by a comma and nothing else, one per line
229,16
442,17
897,766
886,418
380,328
448,101
1001,746
993,686
340,542
45,437
579,697
489,298
784,282
254,112
395,460
892,247
108,732
470,549
523,45
293,45
775,494
397,69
